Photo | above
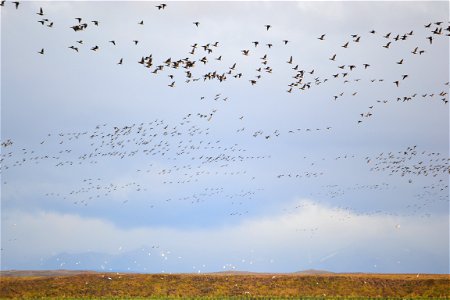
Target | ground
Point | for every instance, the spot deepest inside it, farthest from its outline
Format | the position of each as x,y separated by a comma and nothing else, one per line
222,286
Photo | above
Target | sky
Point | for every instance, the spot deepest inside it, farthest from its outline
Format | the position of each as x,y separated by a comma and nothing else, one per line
327,150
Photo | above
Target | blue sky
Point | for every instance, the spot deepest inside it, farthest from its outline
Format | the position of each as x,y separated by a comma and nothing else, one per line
110,168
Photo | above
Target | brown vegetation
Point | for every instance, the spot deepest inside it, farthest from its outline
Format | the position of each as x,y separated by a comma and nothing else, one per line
114,285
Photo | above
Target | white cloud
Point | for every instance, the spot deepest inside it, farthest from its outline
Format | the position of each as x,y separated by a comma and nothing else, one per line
307,236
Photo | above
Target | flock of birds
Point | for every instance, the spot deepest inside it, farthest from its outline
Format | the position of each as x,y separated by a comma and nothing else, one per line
187,152
302,79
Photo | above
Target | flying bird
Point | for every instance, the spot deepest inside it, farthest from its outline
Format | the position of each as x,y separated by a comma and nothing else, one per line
333,57
322,37
42,51
41,12
74,48
196,23
16,3
267,27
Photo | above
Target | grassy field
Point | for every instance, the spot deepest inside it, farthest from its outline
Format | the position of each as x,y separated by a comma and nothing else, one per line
225,286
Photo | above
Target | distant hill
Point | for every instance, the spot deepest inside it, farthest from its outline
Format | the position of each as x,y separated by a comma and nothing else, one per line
43,273
314,272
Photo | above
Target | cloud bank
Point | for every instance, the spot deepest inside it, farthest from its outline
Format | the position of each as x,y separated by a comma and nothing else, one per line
310,235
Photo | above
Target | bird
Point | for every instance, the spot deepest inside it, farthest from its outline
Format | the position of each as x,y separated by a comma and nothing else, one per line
267,27
79,19
387,45
400,62
74,48
430,38
285,42
42,51
322,37
396,83
196,23
120,61
333,57
95,23
2,3
16,3
161,6
345,45
290,60
404,76
135,42
255,43
141,22
172,84
113,42
95,48
41,12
